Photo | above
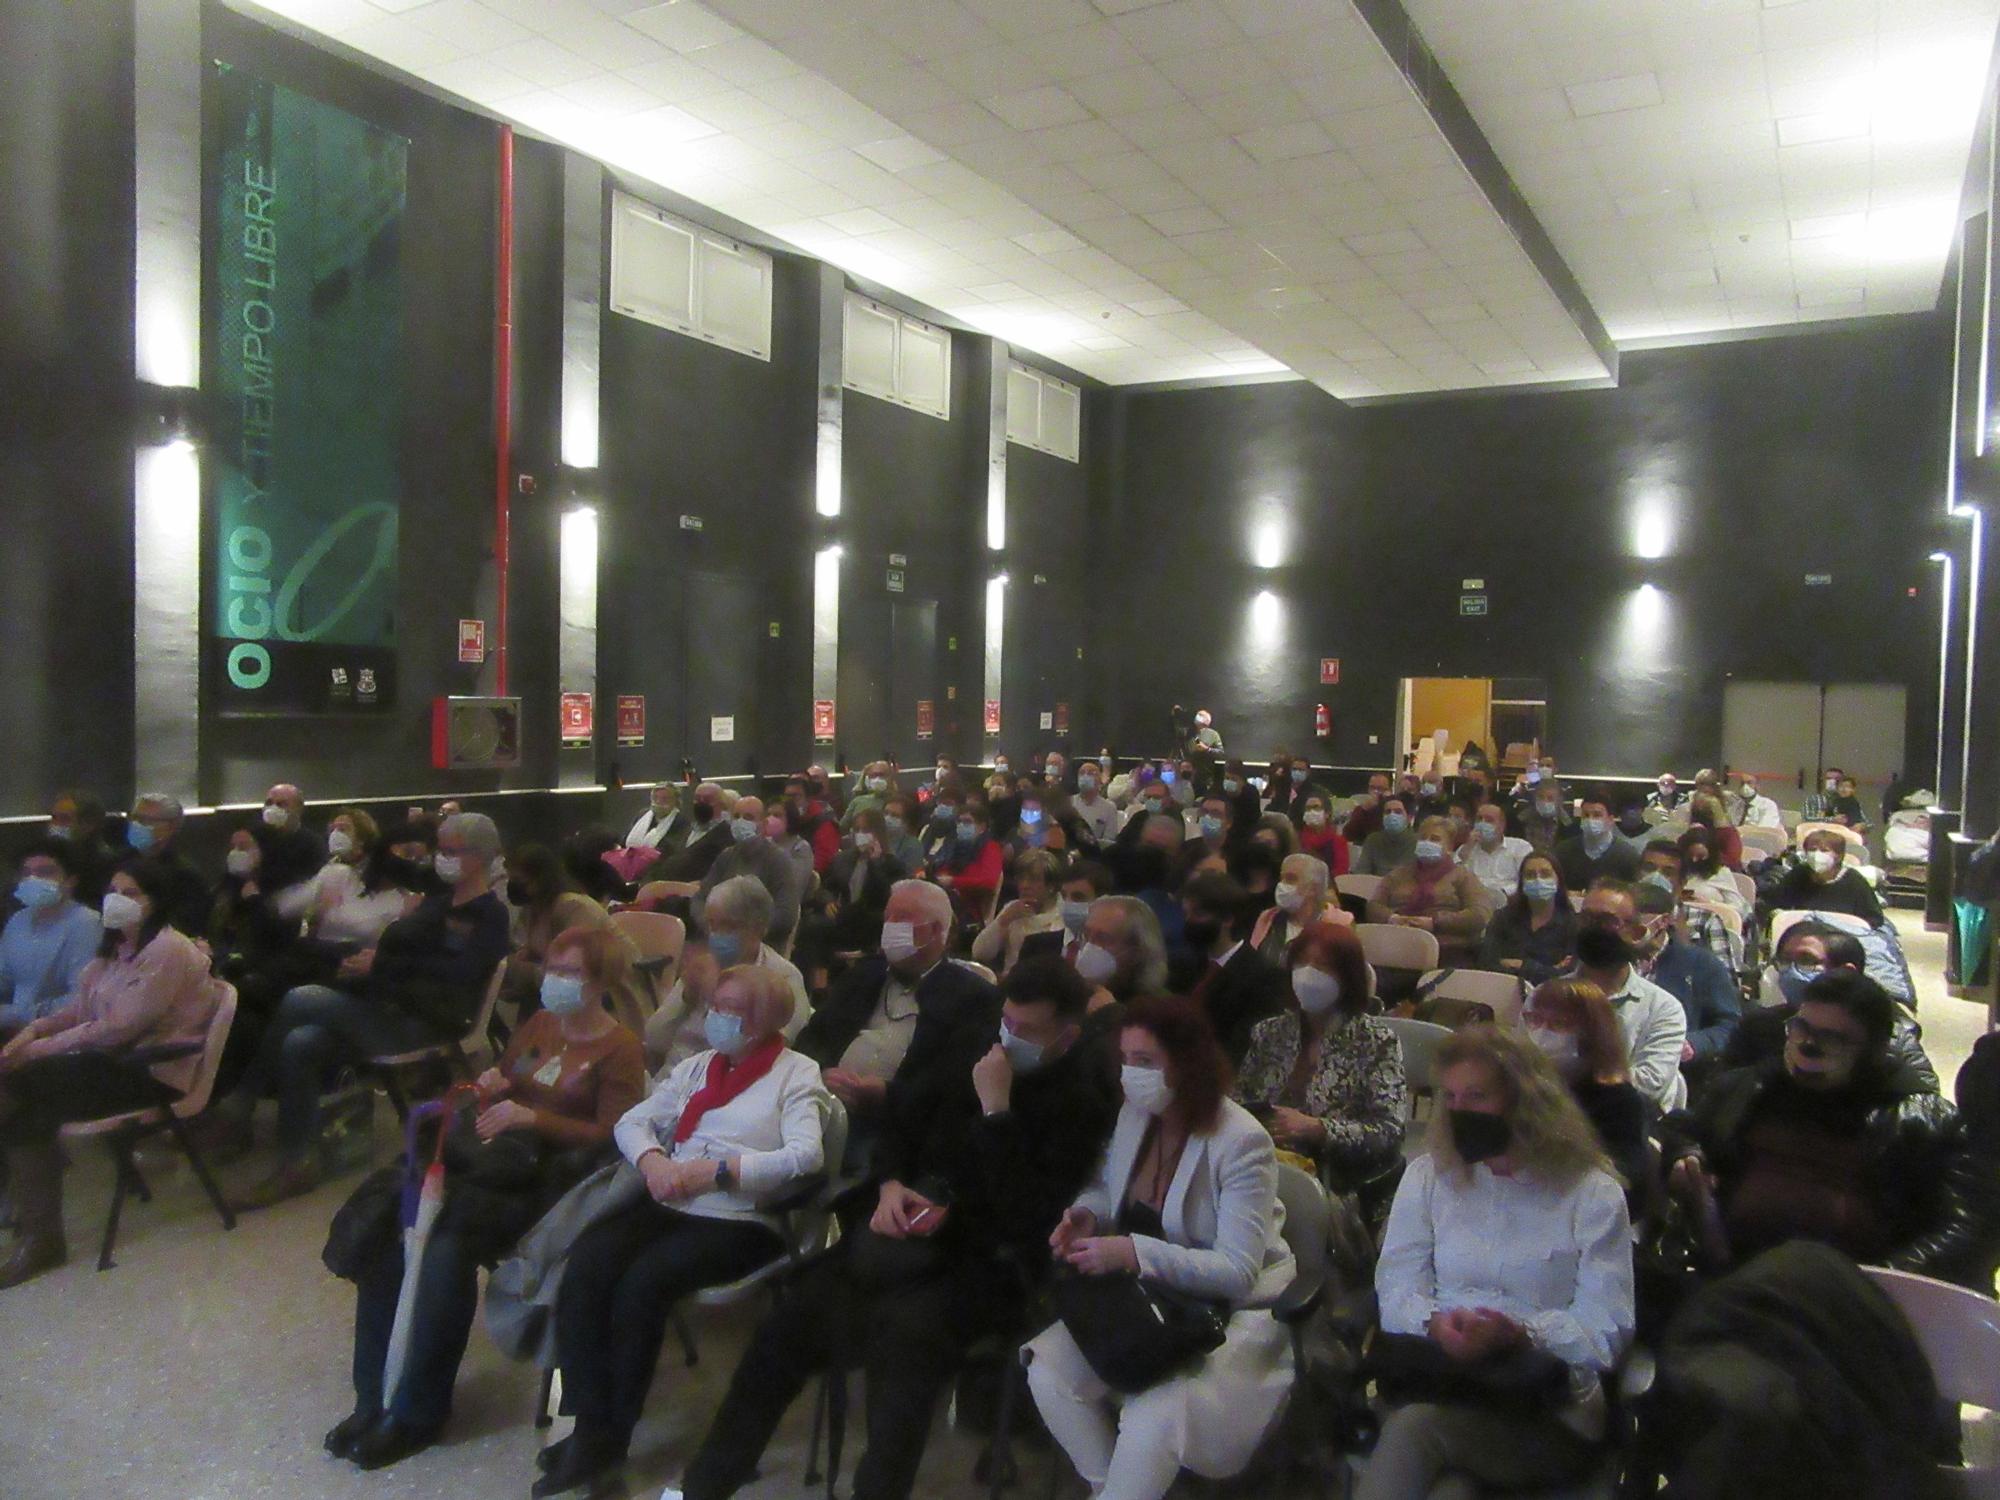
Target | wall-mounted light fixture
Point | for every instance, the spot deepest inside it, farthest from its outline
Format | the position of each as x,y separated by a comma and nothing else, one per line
1974,566
1944,660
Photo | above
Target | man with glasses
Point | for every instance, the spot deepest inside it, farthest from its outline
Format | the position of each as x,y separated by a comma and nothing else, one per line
1836,1141
152,831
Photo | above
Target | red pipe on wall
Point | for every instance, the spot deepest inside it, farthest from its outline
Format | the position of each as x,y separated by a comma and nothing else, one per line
503,403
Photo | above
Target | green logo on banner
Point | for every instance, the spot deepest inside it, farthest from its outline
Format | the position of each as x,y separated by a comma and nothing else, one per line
305,361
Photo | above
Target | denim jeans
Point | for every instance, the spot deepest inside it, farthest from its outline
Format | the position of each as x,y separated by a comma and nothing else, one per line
315,1030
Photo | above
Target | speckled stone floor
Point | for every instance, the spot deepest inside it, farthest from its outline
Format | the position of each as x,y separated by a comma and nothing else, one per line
206,1366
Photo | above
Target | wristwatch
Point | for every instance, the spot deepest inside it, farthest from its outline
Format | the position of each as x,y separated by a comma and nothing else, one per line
725,1180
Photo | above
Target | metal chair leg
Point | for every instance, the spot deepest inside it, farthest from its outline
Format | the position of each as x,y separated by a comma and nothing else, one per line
399,1100
544,1418
813,1475
189,1150
836,1427
1000,1456
121,1158
140,1185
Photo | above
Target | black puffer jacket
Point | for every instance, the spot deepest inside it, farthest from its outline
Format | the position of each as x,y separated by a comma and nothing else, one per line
1934,1194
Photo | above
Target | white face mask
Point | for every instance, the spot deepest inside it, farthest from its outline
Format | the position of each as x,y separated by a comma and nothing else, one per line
340,843
1289,896
1315,818
1822,860
448,867
122,913
1096,964
1596,828
277,817
242,863
1146,1088
1563,1048
1318,991
899,941
1429,851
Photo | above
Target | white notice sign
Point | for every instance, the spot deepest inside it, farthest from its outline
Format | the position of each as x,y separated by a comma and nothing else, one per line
722,731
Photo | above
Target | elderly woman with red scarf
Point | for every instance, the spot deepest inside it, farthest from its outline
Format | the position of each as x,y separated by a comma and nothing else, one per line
1435,892
727,1133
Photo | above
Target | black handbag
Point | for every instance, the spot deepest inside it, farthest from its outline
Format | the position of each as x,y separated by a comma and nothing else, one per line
1133,1332
1521,1381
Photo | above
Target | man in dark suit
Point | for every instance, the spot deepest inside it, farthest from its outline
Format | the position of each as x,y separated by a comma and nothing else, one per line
1232,981
708,835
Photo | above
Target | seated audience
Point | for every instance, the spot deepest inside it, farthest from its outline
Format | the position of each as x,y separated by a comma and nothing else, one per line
1534,934
661,825
77,818
1634,824
970,870
1844,807
1724,842
1391,845
1667,799
1318,836
1327,1078
547,902
754,854
1511,1234
1572,1022
808,816
1610,939
1694,976
1123,952
1493,855
1034,912
152,831
709,834
1292,786
975,1174
1366,814
877,783
1836,1142
568,1075
1436,894
1300,902
1751,809
1806,950
1670,866
724,1135
421,985
738,916
1095,811
858,882
901,823
1214,829
129,1036
1274,831
290,853
1541,810
49,942
1595,851
1234,984
1820,880
1185,1195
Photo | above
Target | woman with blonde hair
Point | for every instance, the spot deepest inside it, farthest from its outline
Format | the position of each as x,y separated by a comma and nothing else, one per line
1507,1270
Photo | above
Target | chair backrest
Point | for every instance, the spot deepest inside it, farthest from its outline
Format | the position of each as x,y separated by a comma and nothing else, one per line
476,1032
1745,886
1670,831
656,934
1959,1332
1770,841
1503,993
1785,919
1308,1217
1394,947
1730,917
1367,887
1419,1041
980,969
195,1100
1855,842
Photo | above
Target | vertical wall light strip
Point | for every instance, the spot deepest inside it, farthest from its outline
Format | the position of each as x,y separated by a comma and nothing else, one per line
996,450
826,624
1980,417
996,635
1944,662
166,479
576,645
831,394
583,301
1974,568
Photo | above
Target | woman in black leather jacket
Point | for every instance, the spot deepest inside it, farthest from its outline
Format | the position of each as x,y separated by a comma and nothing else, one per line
1837,1141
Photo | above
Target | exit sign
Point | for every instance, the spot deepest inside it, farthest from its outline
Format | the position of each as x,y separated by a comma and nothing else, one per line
1472,604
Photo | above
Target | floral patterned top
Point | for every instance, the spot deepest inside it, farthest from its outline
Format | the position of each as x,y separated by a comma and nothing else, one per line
1357,1091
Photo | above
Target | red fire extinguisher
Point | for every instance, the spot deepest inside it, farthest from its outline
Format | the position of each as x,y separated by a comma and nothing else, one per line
1322,721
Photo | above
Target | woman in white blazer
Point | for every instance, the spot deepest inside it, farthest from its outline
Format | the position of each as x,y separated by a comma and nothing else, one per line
1187,1195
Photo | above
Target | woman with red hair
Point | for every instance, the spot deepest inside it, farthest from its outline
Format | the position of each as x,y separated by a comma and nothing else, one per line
1186,1197
1326,1077
1572,1022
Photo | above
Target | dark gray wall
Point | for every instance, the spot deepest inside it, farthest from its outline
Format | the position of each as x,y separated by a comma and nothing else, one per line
65,401
1772,459
1048,530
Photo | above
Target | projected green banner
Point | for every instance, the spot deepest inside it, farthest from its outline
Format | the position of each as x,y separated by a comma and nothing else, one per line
305,213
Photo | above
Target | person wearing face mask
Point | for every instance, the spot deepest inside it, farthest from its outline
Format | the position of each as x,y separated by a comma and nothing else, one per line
1510,1234
1000,1145
568,1075
1366,814
147,990
290,853
970,870
421,984
1235,985
1095,811
1572,1022
1611,938
1317,836
1723,840
808,817
1185,1195
152,831
1327,1078
661,825
1820,880
1667,798
878,783
754,854
1034,912
1003,799
1703,983
1299,904
1750,808
902,822
725,1135
738,915
794,832
1214,830
1703,877
1122,954
257,949
1534,934
48,943
1391,845
1083,882
363,887
1634,823
1669,866
1432,891
1594,851
887,1020
1044,822
859,880
1541,811
1806,950
1291,785
547,901
77,818
1839,1142
1491,856
709,836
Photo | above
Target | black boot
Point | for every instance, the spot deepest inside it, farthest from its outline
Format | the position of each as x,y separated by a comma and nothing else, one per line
342,1438
591,1455
36,1174
390,1441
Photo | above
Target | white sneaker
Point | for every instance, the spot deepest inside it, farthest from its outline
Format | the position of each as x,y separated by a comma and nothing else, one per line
670,1493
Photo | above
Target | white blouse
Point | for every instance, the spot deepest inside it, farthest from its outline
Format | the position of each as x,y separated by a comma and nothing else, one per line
1557,1260
343,913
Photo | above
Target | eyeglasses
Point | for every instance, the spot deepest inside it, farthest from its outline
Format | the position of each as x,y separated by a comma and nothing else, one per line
1801,1030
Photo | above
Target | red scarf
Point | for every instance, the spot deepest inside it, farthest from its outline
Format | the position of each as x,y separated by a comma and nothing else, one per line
1423,896
725,1081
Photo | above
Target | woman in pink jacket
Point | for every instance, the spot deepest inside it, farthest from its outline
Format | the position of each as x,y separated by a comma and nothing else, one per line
131,1037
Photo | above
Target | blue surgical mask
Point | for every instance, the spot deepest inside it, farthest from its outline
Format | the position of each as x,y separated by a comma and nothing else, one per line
1026,1056
1231,785
742,828
1086,782
968,833
138,837
562,994
1793,979
1596,828
727,949
37,894
1074,915
1539,890
1298,775
1211,827
1655,878
1394,822
1169,776
1031,815
1429,851
723,1032
61,831
893,827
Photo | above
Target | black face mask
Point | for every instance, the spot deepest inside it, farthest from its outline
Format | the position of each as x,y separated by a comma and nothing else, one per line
1601,947
517,891
1202,932
702,814
1477,1136
408,874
